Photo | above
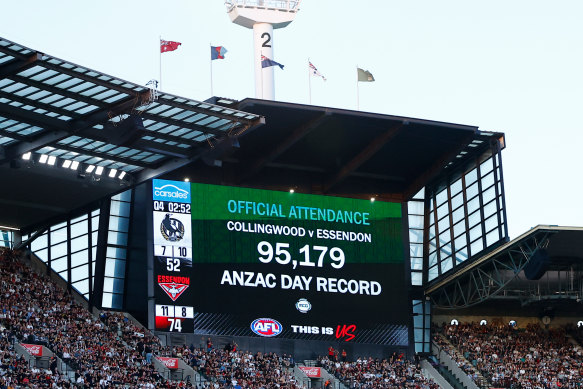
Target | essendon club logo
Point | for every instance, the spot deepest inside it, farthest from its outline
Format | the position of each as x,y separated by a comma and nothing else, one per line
173,286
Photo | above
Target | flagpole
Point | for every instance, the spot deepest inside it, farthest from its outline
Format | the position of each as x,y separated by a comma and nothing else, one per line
211,72
160,53
310,81
357,91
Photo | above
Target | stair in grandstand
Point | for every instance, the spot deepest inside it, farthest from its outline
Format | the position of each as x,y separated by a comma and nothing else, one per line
324,376
44,360
447,375
477,381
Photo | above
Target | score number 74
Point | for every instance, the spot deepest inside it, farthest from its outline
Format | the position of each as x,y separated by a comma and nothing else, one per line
282,255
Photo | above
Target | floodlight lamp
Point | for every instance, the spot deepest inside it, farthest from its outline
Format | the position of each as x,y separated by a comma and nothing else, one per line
74,165
26,156
121,175
99,170
52,160
112,173
66,163
90,168
43,158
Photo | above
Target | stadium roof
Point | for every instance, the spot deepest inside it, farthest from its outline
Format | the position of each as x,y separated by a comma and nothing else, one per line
514,271
85,135
341,152
61,122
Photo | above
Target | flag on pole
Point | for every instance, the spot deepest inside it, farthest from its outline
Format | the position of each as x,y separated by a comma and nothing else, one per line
168,45
364,75
315,71
266,62
218,52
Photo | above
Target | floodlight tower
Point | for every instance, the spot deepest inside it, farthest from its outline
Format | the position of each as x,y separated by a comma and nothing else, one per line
263,16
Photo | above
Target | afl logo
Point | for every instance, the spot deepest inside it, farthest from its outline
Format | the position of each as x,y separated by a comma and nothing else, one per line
266,327
303,305
172,229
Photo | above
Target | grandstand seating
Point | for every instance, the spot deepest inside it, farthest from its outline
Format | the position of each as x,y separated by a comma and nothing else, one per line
112,351
395,372
511,357
33,306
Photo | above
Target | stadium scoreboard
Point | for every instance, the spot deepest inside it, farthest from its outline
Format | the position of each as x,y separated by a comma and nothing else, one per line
251,262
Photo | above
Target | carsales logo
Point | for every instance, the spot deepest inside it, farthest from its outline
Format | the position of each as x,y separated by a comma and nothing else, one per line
266,327
171,191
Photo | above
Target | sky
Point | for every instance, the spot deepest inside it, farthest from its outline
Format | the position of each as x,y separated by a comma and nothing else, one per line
509,66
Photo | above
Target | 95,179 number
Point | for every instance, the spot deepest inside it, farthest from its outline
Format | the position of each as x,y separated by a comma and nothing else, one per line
282,255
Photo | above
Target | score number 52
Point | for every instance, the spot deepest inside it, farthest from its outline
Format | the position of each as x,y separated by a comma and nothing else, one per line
282,255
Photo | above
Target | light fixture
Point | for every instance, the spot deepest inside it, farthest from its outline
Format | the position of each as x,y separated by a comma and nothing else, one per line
187,179
372,199
292,190
67,163
90,168
112,173
26,156
52,160
121,175
74,165
43,158
99,170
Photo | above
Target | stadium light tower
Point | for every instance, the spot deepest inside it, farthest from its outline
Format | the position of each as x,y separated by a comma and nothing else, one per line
263,16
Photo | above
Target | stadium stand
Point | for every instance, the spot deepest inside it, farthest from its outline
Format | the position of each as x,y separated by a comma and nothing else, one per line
395,372
35,309
112,351
512,357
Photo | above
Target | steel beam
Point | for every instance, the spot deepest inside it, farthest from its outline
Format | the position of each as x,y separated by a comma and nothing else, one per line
373,147
298,134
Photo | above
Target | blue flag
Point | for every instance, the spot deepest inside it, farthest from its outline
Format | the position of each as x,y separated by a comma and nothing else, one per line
218,52
266,62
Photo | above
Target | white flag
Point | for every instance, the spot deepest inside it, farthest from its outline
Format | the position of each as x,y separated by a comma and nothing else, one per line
315,71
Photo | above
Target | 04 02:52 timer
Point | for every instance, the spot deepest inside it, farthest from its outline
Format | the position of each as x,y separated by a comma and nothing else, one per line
169,206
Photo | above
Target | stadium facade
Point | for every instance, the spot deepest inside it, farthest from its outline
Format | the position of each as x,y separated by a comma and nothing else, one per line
81,149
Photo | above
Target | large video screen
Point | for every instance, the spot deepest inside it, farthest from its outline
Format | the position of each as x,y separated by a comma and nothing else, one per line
249,262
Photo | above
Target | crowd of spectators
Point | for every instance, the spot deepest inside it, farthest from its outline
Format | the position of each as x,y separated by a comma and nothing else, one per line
228,366
518,358
15,370
113,352
33,308
394,372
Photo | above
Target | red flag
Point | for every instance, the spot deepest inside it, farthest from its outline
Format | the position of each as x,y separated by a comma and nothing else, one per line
168,45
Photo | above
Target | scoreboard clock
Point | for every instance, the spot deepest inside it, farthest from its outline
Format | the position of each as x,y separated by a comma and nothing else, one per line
248,262
172,232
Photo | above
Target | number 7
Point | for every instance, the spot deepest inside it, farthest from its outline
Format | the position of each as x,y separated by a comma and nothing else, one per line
323,250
